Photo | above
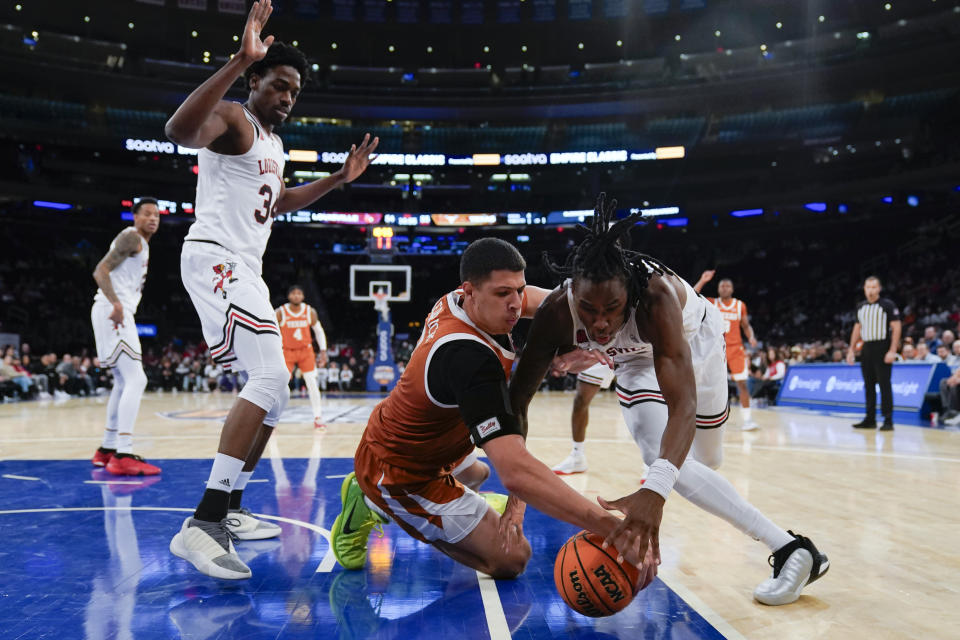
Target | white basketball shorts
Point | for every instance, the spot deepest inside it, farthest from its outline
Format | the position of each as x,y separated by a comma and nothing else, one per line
645,410
112,342
599,374
229,297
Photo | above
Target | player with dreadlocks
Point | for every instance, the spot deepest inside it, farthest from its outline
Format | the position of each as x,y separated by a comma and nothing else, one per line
667,345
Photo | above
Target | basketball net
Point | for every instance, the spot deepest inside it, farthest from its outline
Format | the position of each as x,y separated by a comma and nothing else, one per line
380,304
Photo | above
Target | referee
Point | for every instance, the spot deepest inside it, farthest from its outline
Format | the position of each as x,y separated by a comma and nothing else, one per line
878,325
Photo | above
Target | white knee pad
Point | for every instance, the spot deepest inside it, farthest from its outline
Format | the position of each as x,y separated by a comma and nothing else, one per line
267,386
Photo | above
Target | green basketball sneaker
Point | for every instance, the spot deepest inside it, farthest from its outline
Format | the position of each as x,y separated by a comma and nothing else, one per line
352,527
496,500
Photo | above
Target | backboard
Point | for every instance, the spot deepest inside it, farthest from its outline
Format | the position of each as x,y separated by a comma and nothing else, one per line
366,279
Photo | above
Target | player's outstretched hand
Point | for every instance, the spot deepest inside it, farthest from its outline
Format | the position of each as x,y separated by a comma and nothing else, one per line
359,158
639,531
579,360
511,523
116,315
252,48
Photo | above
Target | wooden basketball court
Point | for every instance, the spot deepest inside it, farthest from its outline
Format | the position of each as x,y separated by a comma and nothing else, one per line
883,506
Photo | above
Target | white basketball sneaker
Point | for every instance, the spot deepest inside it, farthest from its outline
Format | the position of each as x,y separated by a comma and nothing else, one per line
576,462
749,425
795,565
249,527
208,546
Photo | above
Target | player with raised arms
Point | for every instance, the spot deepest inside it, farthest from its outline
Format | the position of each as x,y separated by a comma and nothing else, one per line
240,190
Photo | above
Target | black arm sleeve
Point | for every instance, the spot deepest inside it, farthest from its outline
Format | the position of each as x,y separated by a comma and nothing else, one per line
467,374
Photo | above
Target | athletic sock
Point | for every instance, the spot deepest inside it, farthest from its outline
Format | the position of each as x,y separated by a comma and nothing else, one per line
745,412
216,499
578,447
236,496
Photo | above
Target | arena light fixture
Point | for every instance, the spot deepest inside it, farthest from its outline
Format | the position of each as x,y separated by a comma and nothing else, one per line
677,37
303,155
86,18
486,159
391,48
193,34
670,153
46,204
19,7
130,25
619,43
315,67
523,48
429,49
580,46
888,199
746,213
763,47
236,38
821,19
486,49
295,43
819,207
913,201
717,33
779,25
888,6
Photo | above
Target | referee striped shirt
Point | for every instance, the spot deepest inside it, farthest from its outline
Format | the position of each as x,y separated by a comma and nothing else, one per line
875,319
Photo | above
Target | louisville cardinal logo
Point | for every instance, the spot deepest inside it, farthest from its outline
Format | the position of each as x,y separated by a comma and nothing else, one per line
223,274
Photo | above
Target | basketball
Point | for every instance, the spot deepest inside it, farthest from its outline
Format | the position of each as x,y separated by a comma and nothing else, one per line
590,580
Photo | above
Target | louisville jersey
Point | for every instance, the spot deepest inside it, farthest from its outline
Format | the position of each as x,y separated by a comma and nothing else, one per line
732,313
411,428
295,327
237,196
128,278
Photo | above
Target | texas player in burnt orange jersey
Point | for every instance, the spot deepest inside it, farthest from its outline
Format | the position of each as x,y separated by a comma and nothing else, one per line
452,397
734,313
296,319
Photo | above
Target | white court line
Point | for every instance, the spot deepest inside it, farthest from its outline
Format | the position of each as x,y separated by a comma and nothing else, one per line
706,612
13,477
341,475
493,608
257,480
113,482
326,565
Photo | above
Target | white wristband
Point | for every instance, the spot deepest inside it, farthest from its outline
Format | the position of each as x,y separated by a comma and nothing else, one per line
661,477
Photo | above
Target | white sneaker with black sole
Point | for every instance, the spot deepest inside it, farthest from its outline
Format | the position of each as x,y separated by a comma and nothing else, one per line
795,565
576,462
208,546
249,527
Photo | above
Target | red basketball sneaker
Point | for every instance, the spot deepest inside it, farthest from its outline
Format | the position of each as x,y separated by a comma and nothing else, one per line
127,464
102,456
319,424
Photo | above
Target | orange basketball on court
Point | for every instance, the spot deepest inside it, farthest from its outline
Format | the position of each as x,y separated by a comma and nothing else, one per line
590,580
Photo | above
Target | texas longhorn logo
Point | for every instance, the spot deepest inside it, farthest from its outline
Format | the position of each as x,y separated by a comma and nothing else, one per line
223,273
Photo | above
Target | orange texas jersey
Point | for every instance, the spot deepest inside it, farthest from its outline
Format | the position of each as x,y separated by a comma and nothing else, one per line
732,314
295,327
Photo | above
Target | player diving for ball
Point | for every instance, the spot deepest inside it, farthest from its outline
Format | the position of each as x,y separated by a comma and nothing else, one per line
668,347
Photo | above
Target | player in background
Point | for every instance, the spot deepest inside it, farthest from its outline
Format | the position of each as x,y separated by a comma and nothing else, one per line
120,276
296,320
734,313
589,382
240,189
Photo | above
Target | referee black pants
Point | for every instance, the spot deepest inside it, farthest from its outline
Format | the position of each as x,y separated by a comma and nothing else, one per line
875,371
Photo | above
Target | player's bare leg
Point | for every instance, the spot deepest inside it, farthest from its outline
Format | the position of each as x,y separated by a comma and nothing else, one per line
482,550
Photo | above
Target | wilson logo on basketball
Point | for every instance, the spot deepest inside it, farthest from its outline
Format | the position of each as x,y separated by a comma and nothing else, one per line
584,604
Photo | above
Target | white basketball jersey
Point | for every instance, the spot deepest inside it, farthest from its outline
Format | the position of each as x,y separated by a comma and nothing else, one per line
627,345
128,278
236,196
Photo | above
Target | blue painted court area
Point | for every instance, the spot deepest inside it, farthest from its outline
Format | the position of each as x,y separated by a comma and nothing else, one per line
85,556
